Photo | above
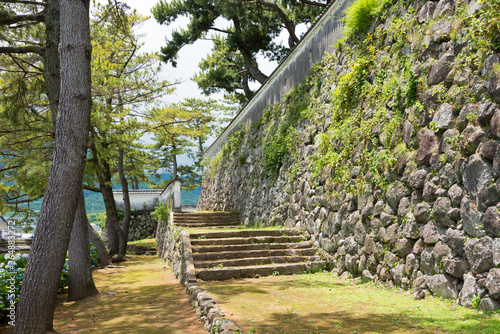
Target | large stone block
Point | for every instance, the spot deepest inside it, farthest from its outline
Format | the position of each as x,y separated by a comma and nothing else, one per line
479,253
486,112
428,145
491,221
439,71
431,233
441,207
441,285
444,117
469,291
493,283
425,13
456,267
456,240
395,192
416,179
427,261
471,218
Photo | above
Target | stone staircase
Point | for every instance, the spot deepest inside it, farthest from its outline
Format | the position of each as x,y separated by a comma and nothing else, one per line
206,219
250,253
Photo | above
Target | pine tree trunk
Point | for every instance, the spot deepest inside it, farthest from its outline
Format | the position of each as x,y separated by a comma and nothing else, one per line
99,246
126,198
51,73
35,310
116,239
80,282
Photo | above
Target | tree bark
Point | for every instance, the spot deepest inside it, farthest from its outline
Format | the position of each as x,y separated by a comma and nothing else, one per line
246,88
51,72
99,246
35,311
80,282
116,239
126,198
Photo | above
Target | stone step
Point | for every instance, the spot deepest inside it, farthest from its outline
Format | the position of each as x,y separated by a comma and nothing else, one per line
198,216
206,219
247,240
243,234
246,247
200,221
208,226
206,213
264,270
252,253
234,222
193,216
255,261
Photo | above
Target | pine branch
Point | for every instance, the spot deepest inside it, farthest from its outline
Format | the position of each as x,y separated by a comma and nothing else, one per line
288,25
25,2
8,20
94,189
21,49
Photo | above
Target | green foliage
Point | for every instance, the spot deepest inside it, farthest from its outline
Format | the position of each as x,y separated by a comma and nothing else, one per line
162,212
277,145
482,33
212,165
234,142
13,268
251,30
359,16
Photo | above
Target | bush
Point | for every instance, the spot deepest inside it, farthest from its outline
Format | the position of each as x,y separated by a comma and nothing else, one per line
359,16
18,264
162,212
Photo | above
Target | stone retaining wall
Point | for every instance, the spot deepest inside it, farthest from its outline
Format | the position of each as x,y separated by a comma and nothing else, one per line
436,227
142,226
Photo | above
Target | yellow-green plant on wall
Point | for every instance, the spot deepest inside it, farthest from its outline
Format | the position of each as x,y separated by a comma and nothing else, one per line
162,212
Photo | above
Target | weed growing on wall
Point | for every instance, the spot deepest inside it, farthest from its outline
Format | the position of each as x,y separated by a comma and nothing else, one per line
211,165
162,212
359,15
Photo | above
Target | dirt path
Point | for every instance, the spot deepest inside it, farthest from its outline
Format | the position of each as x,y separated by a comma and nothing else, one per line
141,298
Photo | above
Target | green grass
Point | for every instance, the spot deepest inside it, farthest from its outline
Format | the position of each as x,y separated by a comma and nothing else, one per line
320,303
151,243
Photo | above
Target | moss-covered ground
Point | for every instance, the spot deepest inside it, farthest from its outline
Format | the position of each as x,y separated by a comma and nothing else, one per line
319,303
138,296
150,243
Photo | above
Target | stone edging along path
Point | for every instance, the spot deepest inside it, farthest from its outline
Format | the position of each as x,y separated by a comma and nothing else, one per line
174,247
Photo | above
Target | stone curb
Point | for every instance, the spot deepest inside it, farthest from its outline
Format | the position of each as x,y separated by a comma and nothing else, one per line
206,307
